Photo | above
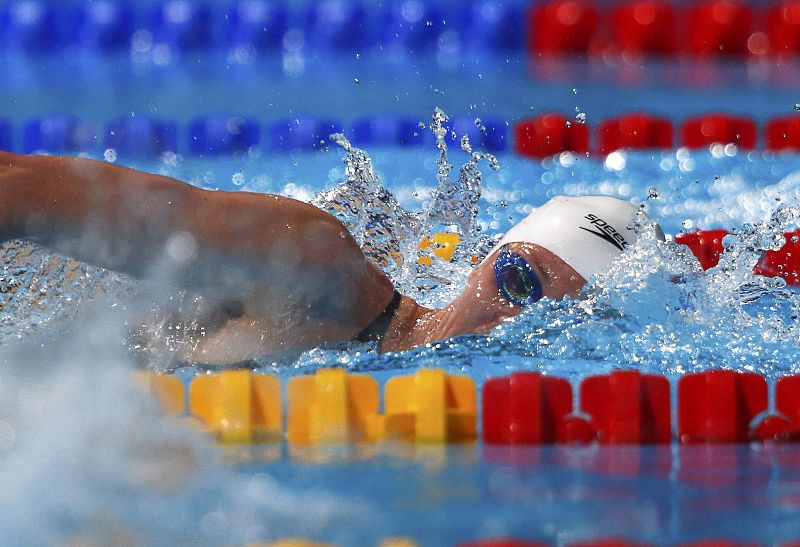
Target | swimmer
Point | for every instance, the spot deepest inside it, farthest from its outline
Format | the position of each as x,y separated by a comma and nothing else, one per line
284,274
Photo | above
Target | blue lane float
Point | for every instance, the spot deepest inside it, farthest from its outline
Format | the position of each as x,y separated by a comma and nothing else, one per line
256,23
411,134
59,133
494,25
412,24
182,24
375,131
104,25
460,127
495,136
302,133
29,25
337,24
141,136
489,135
214,135
6,136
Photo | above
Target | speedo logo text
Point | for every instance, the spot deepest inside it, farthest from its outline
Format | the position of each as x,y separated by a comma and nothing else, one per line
606,231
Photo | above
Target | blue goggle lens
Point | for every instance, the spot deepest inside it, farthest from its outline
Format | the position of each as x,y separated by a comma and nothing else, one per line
516,280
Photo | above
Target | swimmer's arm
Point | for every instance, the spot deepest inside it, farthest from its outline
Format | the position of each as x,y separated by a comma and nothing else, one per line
130,221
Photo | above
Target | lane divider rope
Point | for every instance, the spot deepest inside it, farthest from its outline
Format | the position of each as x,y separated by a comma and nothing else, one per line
537,137
333,407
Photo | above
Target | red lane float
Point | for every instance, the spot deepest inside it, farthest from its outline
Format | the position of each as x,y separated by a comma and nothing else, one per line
524,408
628,407
785,262
720,27
787,400
636,131
550,134
562,26
705,244
645,27
716,543
783,28
711,28
719,128
783,133
717,406
575,429
553,133
773,428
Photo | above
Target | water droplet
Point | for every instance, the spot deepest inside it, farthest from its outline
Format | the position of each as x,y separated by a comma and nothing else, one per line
238,178
652,193
356,81
797,107
580,117
110,155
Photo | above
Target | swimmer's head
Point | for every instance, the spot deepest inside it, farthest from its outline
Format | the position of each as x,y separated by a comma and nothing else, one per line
588,233
562,243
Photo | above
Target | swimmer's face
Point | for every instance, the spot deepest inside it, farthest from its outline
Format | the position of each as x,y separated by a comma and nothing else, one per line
482,307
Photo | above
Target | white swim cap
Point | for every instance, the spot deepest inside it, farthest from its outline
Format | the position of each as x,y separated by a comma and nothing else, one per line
587,232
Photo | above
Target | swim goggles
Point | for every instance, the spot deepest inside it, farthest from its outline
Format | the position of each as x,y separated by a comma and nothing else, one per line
516,279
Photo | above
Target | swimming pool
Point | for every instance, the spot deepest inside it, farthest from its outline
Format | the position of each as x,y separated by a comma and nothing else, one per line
88,457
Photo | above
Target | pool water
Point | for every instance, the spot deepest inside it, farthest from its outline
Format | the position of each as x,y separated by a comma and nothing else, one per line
87,457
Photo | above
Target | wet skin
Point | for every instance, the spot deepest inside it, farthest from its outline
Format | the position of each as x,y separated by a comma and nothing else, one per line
480,307
292,273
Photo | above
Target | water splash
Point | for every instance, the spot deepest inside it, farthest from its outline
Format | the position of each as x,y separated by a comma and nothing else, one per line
455,202
390,235
38,287
371,213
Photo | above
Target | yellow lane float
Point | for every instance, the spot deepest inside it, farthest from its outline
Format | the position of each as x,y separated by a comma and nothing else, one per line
238,406
332,407
168,391
443,245
430,407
